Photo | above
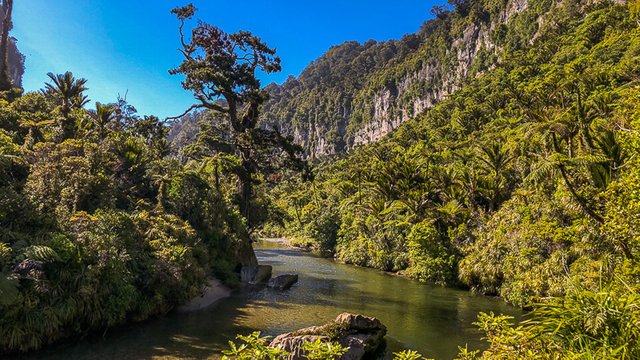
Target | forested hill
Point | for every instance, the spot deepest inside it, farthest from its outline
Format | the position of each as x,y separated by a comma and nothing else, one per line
523,183
357,93
519,183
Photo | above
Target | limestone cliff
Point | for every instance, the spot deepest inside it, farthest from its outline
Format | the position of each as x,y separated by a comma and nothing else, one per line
358,93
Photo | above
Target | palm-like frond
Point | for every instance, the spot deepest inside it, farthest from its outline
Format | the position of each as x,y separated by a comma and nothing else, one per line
41,253
544,170
68,88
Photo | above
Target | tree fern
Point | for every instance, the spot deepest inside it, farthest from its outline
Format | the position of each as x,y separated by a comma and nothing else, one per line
41,253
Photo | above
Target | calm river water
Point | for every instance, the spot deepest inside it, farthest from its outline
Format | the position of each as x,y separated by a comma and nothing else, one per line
429,319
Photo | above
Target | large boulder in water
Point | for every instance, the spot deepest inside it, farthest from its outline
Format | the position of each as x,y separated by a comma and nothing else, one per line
363,335
283,282
256,274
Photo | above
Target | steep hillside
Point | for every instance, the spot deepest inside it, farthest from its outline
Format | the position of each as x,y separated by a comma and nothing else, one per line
357,93
16,63
519,184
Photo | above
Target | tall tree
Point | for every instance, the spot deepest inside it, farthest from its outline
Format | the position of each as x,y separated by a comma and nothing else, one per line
220,70
102,116
69,93
5,80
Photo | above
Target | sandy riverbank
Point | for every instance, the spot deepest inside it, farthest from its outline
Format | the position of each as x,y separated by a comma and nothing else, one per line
212,292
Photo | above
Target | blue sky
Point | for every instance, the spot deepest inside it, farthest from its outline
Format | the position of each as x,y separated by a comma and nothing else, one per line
129,46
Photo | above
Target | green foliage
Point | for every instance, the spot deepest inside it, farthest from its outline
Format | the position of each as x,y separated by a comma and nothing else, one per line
584,324
634,8
253,347
622,216
407,355
98,225
320,350
430,259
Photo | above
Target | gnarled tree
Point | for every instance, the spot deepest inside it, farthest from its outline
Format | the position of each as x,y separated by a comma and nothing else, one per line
220,69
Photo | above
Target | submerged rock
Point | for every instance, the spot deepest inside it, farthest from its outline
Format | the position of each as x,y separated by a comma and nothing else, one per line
283,282
256,274
362,334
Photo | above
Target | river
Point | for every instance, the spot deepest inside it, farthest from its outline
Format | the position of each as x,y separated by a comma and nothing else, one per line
430,319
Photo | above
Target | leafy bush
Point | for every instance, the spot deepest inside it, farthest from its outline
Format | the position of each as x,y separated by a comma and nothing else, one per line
431,259
584,324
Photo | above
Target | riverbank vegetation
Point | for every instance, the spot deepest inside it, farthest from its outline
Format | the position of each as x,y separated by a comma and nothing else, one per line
99,225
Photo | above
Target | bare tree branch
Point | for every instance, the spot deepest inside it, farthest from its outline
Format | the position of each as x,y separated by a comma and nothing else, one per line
191,108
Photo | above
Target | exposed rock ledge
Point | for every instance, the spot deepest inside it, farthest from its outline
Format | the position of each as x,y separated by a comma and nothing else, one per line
362,334
257,274
212,292
283,282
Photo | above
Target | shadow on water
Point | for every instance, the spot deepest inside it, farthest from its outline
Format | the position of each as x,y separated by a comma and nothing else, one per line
429,319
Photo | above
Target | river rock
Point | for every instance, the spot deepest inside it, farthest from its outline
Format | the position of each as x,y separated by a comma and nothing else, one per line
362,334
283,282
256,274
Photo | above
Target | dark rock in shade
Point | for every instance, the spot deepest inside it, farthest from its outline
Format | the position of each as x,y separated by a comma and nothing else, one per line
263,274
362,334
283,282
247,273
245,256
256,274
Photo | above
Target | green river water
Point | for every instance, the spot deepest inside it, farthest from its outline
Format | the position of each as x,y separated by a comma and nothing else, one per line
432,320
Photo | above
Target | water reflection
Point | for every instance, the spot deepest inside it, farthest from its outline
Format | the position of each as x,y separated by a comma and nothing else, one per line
432,320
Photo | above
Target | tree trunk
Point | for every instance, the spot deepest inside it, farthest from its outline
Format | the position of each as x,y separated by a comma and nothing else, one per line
245,190
565,176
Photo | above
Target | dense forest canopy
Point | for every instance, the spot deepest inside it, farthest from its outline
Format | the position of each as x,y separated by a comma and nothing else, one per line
99,225
551,124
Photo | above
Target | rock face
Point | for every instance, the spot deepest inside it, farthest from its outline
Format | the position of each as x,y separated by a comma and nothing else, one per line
328,109
362,334
283,282
256,274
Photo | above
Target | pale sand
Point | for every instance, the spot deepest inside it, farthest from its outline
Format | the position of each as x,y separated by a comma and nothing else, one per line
212,292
